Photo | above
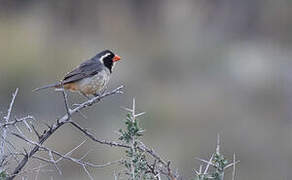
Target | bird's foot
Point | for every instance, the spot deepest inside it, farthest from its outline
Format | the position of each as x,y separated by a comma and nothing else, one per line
97,95
76,104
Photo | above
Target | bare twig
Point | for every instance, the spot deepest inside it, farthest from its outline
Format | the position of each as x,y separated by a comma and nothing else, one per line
70,152
4,132
54,162
101,141
150,151
12,123
87,172
66,102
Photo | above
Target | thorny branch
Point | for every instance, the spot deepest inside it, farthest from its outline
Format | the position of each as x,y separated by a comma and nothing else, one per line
42,137
65,156
59,122
141,146
158,168
165,169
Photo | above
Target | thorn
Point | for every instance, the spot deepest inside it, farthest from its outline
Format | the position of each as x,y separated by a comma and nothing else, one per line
126,109
25,152
233,171
140,114
35,131
134,106
208,165
200,170
218,144
207,162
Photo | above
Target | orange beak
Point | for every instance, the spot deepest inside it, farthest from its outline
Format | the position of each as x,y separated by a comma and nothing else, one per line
116,58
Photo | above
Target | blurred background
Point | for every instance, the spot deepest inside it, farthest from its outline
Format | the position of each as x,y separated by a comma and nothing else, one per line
197,67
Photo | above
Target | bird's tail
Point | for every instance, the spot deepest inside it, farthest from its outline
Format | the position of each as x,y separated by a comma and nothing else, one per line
48,86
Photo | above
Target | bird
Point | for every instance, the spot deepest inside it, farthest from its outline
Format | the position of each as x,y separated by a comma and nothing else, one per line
90,77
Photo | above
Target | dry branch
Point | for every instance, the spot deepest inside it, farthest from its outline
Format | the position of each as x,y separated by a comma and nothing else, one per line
58,124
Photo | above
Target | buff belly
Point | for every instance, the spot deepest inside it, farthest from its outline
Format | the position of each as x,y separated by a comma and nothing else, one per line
90,85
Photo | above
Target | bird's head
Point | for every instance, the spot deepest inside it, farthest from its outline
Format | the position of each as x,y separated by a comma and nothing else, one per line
108,59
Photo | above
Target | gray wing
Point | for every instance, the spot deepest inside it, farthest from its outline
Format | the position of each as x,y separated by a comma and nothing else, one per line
86,69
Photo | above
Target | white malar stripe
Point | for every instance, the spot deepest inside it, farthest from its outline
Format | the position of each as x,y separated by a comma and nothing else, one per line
114,64
104,56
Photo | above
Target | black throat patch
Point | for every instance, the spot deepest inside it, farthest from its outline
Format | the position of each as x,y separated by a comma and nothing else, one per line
108,64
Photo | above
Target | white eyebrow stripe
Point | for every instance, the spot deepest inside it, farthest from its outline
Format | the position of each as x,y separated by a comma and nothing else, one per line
104,56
